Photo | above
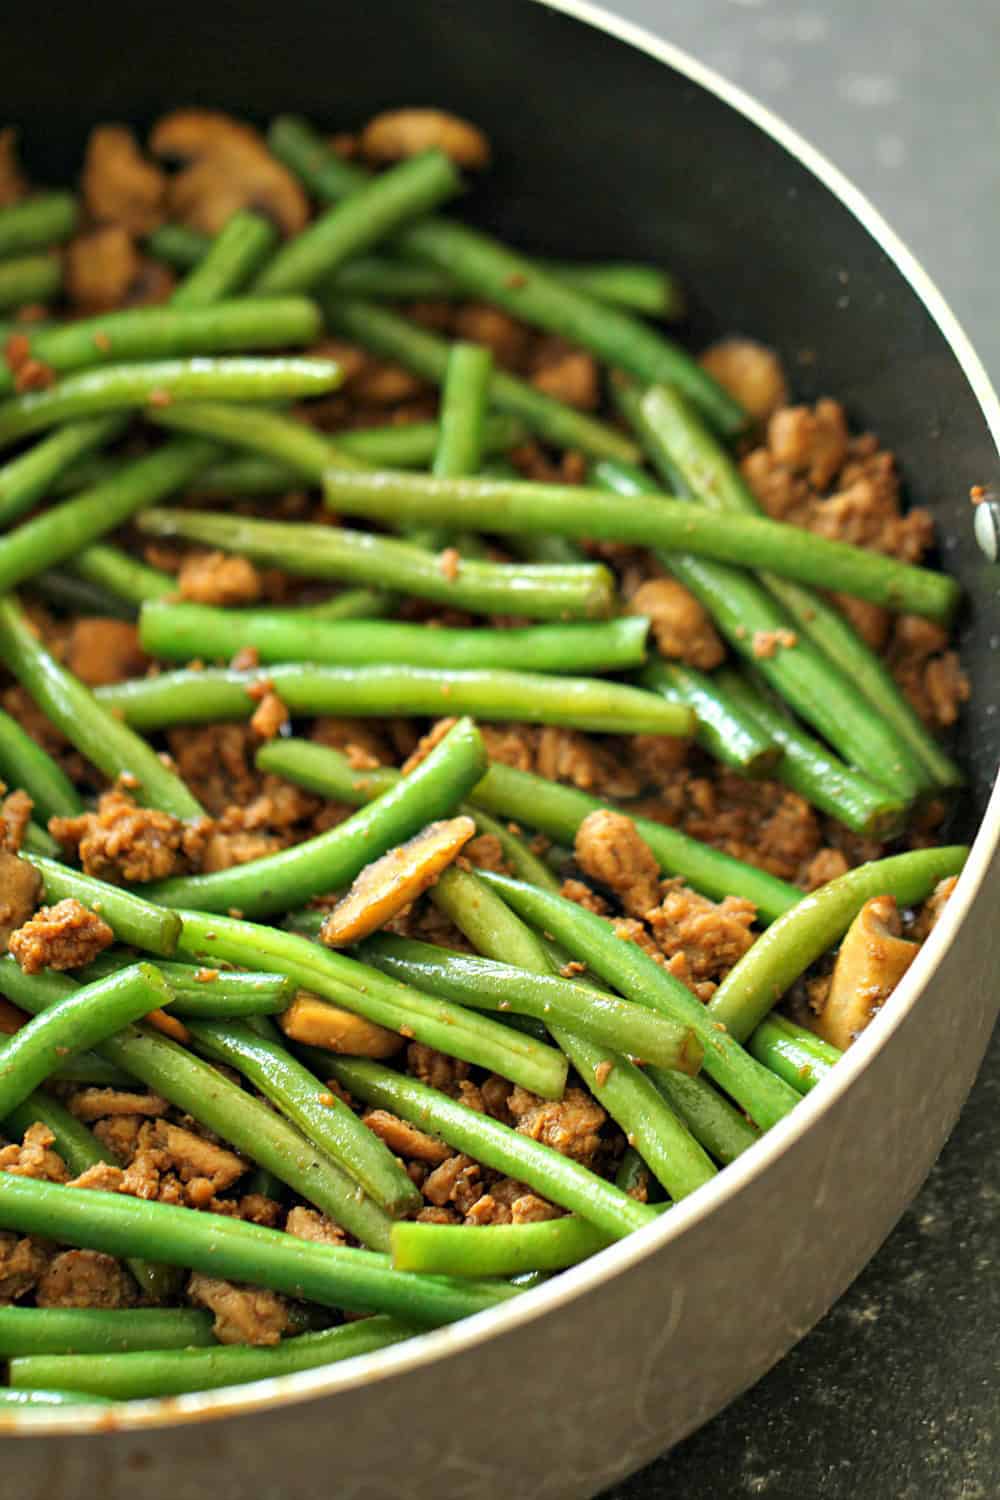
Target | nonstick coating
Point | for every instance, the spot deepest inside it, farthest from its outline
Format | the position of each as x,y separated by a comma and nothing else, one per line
601,150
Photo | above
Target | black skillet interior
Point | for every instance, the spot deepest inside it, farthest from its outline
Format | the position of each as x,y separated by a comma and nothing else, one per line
600,151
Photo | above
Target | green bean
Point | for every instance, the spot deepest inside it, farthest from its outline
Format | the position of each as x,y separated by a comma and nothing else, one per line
393,337
554,810
134,921
179,246
574,511
464,399
93,731
75,596
80,1021
633,1176
623,1089
755,985
355,987
350,604
813,686
29,279
329,773
833,634
168,333
362,219
725,728
123,575
541,592
270,433
175,1372
634,974
129,386
724,1132
232,258
332,859
489,985
497,1249
93,1330
557,1177
675,433
96,1071
38,840
326,1121
63,530
797,1055
27,1399
240,1119
29,476
191,697
36,223
558,811
332,1275
178,632
816,774
23,763
80,1148
211,994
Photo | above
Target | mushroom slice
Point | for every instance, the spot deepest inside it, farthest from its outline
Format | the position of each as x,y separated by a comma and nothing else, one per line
873,959
397,133
394,881
226,166
311,1020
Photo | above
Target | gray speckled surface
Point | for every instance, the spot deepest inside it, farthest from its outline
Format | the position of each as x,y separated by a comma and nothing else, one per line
893,1396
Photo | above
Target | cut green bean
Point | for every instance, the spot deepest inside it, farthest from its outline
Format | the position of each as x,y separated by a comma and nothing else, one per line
95,1071
233,257
755,985
269,433
724,1132
121,574
592,703
37,222
633,1176
61,531
28,1398
464,399
489,985
361,220
79,1147
27,279
93,1330
814,772
423,352
175,1372
748,615
325,1120
95,732
557,1177
331,860
211,994
29,476
798,1056
725,729
23,763
75,596
158,382
38,840
634,974
353,986
572,510
136,922
537,591
326,771
632,1101
351,604
496,1250
179,246
333,1276
179,632
89,1016
169,333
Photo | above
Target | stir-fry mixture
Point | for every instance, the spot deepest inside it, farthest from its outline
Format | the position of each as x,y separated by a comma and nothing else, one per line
428,693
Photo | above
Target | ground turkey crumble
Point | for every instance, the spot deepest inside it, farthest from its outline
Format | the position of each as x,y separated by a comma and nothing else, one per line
65,936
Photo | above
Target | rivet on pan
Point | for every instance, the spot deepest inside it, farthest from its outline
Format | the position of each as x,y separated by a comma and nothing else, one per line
988,528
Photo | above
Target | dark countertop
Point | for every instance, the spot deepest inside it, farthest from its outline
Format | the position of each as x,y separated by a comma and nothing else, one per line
893,1396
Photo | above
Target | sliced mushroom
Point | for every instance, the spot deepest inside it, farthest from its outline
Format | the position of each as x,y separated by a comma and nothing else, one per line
397,133
750,372
101,267
119,184
226,166
394,881
873,959
311,1020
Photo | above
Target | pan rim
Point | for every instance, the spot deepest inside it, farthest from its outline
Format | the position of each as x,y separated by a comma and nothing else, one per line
569,1285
